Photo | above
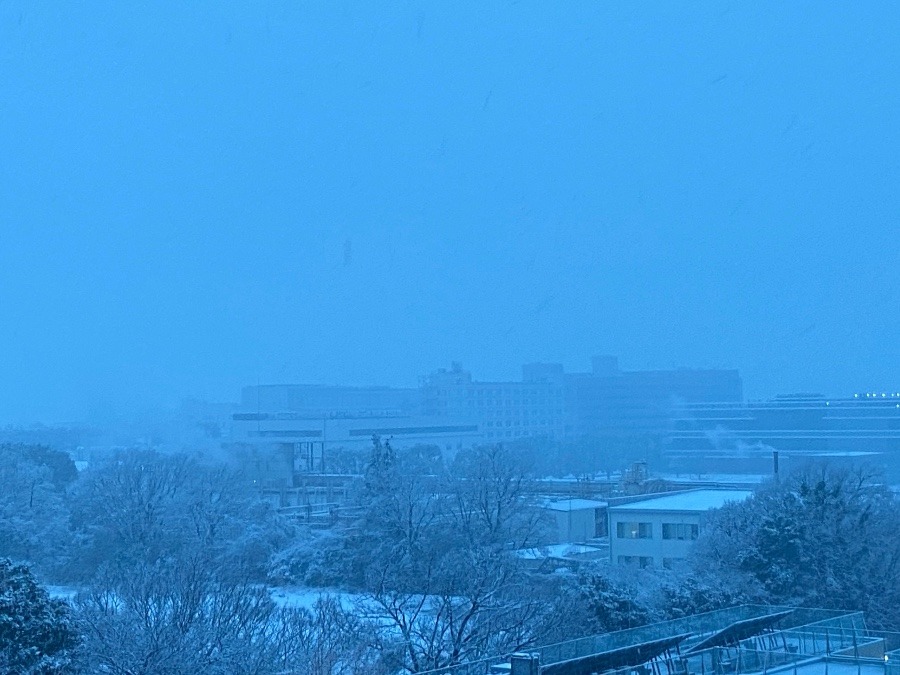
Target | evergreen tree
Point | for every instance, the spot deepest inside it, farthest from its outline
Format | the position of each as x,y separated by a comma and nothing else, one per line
37,634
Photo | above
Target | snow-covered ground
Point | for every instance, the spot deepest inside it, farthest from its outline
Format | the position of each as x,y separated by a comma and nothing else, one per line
62,592
298,596
289,597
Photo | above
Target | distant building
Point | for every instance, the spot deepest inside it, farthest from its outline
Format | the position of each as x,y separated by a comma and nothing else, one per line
329,400
285,430
659,531
608,401
452,410
282,445
733,435
551,403
504,410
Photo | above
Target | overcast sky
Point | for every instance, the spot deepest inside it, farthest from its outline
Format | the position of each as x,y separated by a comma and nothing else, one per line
200,195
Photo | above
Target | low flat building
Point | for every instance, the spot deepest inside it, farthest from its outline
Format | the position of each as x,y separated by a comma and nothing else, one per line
658,531
284,444
577,520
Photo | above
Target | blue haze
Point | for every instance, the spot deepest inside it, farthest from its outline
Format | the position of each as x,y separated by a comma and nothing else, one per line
200,195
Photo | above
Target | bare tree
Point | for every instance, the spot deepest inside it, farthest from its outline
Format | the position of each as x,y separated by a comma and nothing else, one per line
445,584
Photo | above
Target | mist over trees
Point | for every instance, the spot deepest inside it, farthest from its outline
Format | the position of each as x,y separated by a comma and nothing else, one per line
172,556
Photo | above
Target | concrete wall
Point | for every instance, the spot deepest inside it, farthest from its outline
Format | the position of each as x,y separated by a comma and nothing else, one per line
656,548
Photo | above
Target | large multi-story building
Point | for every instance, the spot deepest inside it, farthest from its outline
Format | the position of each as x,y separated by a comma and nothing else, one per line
550,402
608,401
504,410
730,435
452,410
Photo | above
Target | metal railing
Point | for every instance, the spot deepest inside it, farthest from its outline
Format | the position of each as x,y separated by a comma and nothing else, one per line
810,635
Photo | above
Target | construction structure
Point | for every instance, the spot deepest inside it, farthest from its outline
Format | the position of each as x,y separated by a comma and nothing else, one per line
744,640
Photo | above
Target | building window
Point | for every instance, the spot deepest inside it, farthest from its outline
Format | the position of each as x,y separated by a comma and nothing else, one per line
671,563
680,531
634,530
599,522
638,560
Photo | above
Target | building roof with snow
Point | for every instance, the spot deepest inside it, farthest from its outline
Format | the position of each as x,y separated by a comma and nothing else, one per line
574,504
693,501
562,551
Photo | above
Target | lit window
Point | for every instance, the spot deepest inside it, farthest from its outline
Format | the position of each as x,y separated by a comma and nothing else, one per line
634,530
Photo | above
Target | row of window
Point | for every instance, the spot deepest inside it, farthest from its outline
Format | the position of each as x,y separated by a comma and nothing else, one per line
509,403
679,531
646,561
503,411
510,423
634,530
517,434
499,394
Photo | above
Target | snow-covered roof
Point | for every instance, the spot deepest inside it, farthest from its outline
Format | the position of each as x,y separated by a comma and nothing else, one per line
695,500
574,504
559,551
716,477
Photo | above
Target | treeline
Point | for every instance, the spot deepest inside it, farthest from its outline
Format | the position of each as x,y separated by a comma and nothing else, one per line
174,556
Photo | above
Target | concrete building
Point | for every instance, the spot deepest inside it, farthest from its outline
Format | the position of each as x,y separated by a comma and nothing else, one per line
609,401
658,531
548,402
285,430
735,435
276,447
577,520
504,410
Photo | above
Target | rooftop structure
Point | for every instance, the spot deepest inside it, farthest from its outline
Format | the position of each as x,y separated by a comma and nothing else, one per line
744,640
555,556
574,504
693,501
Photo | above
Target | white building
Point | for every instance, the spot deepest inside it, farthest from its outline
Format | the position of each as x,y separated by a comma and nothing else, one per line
577,520
660,530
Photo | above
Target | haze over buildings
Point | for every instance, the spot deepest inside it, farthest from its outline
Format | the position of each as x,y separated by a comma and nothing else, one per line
205,195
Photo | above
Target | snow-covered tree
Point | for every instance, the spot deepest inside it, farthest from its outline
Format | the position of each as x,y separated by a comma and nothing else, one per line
143,506
33,510
825,537
37,633
442,581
